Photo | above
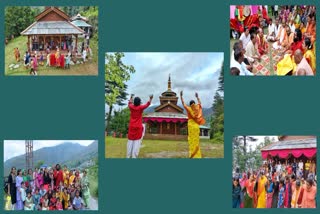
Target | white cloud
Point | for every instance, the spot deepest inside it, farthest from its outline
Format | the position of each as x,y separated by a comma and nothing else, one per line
190,72
260,139
13,148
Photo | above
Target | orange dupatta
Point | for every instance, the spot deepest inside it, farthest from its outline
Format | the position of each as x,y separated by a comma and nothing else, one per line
195,113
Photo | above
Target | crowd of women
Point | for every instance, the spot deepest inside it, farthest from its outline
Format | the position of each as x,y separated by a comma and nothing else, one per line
276,185
47,188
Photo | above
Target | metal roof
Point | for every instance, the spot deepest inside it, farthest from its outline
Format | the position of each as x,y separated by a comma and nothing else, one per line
204,127
292,144
166,115
51,28
78,16
80,23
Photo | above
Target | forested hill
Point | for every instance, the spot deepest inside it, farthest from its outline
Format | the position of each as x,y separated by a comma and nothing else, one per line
68,153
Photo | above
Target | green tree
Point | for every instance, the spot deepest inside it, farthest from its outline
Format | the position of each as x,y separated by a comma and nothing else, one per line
39,163
221,80
120,121
217,121
245,157
91,13
116,74
17,19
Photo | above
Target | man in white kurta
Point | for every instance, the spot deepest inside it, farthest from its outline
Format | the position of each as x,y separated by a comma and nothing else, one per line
245,37
251,50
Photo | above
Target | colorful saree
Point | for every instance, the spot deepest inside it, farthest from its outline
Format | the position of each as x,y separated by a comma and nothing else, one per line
195,118
311,58
262,202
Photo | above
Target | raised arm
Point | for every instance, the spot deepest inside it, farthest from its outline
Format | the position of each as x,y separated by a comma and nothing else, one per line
130,102
197,96
181,97
131,98
146,105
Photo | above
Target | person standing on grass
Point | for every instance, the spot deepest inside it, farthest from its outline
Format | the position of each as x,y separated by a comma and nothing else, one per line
135,125
84,55
195,119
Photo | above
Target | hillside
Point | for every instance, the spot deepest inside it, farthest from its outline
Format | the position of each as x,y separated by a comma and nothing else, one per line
68,153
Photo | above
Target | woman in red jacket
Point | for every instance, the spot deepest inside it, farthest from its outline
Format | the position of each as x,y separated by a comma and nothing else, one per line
135,125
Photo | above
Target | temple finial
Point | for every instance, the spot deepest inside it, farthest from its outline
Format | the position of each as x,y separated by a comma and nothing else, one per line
169,83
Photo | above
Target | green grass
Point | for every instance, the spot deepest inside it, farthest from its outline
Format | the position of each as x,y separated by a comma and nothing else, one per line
117,147
93,180
89,68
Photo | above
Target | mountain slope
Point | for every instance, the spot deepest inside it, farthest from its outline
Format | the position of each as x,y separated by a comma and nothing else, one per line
62,154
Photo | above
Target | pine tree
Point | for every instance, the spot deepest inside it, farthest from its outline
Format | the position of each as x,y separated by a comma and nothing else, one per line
217,122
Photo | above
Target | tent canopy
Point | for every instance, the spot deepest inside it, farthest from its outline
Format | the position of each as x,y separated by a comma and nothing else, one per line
296,148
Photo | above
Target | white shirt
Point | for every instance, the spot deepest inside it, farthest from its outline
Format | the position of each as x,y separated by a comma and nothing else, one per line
271,29
245,39
278,167
300,165
292,27
277,30
251,50
276,8
242,68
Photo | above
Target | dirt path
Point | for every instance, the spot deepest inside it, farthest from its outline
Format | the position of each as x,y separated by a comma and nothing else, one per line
93,203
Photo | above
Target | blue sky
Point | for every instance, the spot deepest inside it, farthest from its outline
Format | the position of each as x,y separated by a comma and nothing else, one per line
13,148
190,72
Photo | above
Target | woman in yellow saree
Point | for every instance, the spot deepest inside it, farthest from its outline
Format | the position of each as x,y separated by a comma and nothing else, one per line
309,54
261,191
195,118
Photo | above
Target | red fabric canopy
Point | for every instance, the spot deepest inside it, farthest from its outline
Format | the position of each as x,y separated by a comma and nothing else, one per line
284,153
163,119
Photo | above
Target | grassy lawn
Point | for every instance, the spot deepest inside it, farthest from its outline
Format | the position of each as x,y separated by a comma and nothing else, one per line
89,68
117,147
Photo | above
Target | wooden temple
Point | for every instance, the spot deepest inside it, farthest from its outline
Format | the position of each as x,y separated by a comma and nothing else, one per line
52,29
168,120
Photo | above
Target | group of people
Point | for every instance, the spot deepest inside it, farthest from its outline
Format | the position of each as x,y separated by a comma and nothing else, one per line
137,129
276,185
50,188
32,61
291,34
57,59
